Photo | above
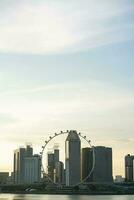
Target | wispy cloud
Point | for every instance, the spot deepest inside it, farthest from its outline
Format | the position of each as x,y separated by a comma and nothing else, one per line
56,27
6,119
47,106
38,89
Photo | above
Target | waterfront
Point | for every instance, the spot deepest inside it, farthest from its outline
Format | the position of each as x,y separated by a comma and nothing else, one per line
64,197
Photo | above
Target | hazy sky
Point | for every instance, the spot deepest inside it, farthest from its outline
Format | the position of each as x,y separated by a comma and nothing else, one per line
67,65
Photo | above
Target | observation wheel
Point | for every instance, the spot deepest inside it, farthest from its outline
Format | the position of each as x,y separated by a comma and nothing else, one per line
81,136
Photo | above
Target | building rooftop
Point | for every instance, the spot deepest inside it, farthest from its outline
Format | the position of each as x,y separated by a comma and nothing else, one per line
72,135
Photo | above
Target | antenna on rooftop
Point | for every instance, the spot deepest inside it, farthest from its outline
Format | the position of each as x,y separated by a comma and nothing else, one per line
56,146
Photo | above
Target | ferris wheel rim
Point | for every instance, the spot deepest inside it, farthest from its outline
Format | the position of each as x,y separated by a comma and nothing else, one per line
59,134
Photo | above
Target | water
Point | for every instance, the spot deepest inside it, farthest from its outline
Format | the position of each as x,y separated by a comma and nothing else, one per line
64,197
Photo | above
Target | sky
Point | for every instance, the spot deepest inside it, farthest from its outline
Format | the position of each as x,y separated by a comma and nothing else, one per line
66,65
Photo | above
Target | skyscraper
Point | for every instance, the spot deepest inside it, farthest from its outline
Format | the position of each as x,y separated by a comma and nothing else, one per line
86,163
27,167
29,150
56,156
53,159
32,169
50,165
129,167
72,158
103,164
19,158
59,173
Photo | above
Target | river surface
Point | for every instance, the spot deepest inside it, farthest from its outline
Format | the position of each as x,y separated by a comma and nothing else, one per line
64,197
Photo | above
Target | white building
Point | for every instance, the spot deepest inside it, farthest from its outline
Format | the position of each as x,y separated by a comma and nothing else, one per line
32,169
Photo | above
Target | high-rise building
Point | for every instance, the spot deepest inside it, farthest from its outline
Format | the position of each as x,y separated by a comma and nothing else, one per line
59,173
19,157
72,158
27,167
32,169
129,168
50,165
103,164
56,156
86,163
53,159
29,150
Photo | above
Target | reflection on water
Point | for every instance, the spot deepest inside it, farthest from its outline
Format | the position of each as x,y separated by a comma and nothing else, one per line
63,197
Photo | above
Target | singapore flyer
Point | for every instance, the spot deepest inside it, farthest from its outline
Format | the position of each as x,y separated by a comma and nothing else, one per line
72,172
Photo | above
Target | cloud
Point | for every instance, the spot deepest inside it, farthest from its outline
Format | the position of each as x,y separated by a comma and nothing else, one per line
38,89
57,27
91,105
7,118
93,95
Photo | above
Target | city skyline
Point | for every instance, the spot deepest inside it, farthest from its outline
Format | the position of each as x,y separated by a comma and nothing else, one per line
53,149
82,164
67,66
79,166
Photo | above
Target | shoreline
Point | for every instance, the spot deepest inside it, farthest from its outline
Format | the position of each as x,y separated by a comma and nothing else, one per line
71,193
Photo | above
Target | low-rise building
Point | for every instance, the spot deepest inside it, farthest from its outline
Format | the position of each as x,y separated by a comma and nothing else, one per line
4,177
119,179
